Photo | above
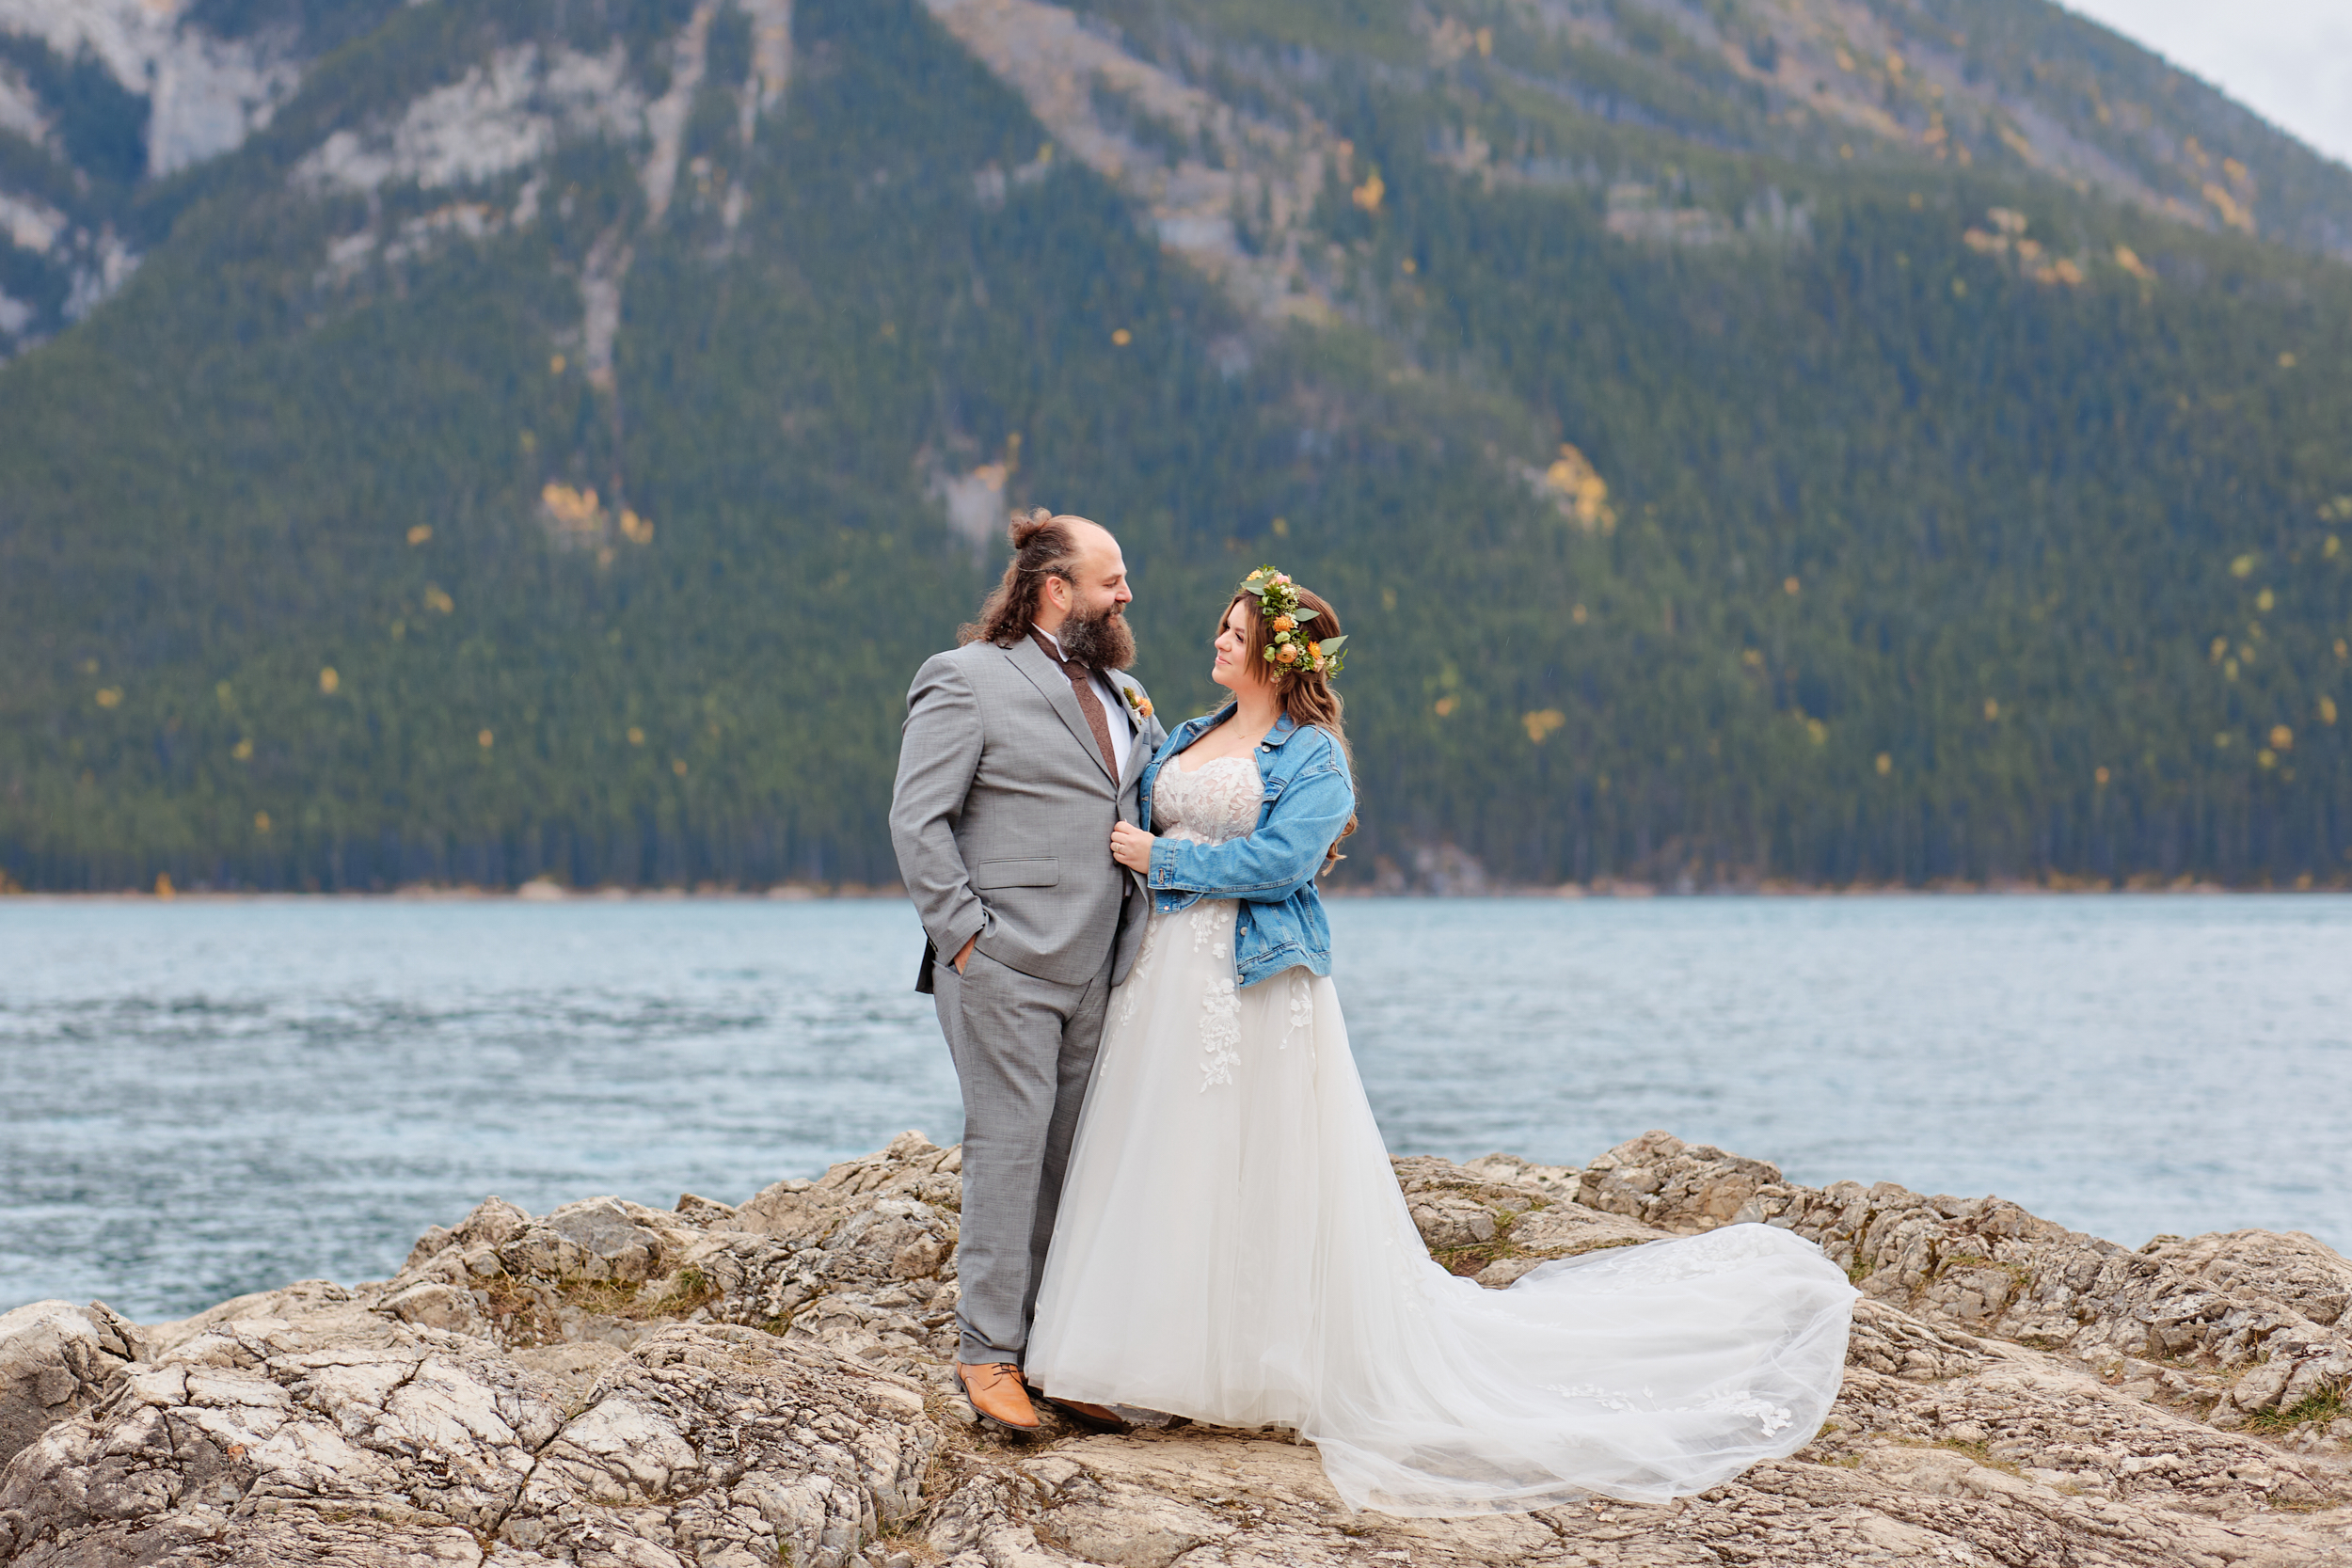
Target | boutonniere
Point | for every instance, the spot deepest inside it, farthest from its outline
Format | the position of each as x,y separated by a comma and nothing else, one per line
1142,706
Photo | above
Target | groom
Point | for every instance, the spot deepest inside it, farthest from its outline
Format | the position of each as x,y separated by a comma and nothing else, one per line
1022,747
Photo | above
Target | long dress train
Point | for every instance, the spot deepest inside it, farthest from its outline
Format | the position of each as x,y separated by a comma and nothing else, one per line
1232,1246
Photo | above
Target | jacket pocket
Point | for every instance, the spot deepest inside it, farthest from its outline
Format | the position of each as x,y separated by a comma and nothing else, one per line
1043,871
1267,801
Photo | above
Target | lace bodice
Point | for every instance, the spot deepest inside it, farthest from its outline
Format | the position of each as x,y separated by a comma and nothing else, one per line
1216,802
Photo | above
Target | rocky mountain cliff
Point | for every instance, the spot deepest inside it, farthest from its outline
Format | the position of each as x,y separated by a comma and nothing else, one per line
102,101
1886,442
1218,118
609,1383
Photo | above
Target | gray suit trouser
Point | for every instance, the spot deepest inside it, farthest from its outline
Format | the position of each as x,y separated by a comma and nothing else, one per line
1024,1050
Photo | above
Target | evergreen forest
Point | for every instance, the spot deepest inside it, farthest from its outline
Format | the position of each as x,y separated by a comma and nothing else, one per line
1711,501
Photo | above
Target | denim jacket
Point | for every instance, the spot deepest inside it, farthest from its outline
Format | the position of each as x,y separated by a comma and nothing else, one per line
1308,796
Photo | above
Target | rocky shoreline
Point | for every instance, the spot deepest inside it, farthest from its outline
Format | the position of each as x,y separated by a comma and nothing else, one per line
619,1386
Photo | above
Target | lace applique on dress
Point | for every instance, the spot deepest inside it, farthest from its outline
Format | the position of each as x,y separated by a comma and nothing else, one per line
1771,1418
1220,1032
1220,1029
1133,989
1214,802
1601,1397
1210,804
1302,1011
1650,1268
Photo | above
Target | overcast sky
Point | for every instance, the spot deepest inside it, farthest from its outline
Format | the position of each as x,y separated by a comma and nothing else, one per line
2288,60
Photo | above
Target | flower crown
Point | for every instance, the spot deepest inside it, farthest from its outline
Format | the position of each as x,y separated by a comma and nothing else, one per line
1289,648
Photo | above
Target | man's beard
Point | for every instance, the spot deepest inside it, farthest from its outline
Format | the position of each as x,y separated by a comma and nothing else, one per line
1099,641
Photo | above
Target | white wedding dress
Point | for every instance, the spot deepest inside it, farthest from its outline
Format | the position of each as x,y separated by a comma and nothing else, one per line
1232,1247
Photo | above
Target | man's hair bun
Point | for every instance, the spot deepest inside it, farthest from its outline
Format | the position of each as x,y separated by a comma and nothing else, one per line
1043,546
1026,524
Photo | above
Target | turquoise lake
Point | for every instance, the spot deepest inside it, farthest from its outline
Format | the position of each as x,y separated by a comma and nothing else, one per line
200,1097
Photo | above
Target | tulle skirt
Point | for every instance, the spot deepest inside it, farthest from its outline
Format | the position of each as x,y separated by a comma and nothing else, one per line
1231,1246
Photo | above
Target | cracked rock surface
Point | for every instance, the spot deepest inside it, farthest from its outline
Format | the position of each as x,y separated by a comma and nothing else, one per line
57,1360
614,1384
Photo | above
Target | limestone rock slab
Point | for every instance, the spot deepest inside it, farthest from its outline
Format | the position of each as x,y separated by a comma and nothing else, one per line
2230,1311
610,1383
55,1360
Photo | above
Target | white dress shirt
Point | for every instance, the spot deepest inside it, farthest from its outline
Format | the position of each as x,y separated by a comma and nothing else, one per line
1122,734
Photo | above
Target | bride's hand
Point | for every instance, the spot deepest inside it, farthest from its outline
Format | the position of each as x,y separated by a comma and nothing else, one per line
1131,847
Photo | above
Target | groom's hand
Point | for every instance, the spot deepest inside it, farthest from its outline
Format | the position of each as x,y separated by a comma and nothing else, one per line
966,951
1131,847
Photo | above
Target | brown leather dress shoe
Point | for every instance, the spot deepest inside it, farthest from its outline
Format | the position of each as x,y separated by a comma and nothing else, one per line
1094,1417
997,1397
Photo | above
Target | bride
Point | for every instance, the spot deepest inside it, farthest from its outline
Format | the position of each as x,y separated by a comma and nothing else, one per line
1232,1246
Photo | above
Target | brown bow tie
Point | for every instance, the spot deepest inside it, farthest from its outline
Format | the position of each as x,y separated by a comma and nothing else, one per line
1082,683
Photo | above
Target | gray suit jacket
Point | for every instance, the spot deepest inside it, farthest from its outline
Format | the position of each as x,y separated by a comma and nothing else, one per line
1002,816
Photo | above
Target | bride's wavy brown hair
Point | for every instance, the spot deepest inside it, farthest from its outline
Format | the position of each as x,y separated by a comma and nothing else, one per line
1308,695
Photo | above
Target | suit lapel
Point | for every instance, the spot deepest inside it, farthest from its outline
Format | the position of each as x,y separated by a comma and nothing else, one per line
1138,754
1054,687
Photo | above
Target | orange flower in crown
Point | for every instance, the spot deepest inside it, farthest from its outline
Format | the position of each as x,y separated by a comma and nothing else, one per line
1288,650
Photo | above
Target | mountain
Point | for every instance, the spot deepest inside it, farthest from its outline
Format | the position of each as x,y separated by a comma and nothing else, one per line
1839,441
99,98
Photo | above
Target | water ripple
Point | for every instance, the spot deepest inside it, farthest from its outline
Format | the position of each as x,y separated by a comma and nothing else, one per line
209,1098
